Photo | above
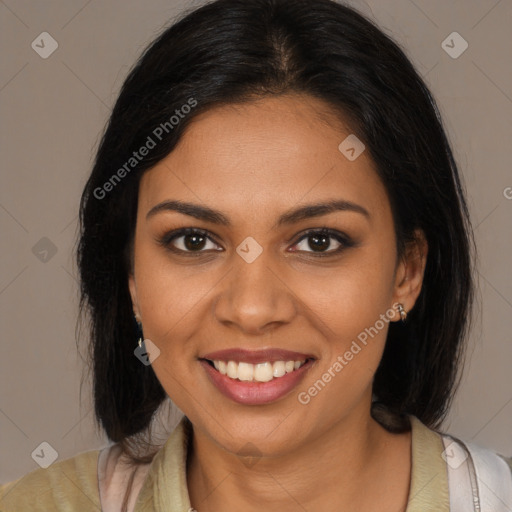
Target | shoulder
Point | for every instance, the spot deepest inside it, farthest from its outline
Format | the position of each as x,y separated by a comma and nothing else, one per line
70,484
456,450
480,459
478,475
473,474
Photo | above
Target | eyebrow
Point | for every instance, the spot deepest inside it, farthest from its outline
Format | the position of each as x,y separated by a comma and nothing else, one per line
307,211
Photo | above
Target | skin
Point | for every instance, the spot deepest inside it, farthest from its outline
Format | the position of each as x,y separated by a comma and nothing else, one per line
253,162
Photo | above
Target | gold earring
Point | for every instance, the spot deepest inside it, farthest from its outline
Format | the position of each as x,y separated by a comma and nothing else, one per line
403,313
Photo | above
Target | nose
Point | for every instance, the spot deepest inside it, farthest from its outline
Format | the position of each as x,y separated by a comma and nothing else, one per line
254,297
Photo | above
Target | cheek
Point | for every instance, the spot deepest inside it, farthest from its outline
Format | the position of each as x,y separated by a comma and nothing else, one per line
350,297
352,308
172,301
345,371
166,292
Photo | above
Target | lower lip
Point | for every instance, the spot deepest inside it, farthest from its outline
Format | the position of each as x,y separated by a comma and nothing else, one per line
256,393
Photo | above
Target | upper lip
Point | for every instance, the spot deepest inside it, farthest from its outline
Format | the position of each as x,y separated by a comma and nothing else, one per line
256,356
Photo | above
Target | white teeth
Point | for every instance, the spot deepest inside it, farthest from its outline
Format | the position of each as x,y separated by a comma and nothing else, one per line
245,371
279,370
223,367
261,372
232,370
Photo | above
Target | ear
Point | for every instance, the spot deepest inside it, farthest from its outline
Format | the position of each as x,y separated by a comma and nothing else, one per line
133,293
410,272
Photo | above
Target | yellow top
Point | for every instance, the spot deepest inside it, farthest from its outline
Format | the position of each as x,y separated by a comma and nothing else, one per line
72,484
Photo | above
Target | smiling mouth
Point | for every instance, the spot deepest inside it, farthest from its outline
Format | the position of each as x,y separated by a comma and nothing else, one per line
259,372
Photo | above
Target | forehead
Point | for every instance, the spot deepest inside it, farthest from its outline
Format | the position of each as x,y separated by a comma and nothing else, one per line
271,154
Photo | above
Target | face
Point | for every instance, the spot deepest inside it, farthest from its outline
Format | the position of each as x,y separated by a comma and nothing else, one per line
260,281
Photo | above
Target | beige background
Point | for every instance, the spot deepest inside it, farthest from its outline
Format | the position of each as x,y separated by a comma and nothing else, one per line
53,112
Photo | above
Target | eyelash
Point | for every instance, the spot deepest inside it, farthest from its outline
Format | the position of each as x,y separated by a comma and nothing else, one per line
343,239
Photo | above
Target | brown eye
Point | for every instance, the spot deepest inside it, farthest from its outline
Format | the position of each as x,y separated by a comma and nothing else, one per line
188,240
319,242
194,242
324,242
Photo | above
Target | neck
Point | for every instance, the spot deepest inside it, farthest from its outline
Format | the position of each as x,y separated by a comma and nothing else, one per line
340,470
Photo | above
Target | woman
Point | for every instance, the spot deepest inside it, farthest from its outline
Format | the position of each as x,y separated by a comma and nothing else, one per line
275,236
